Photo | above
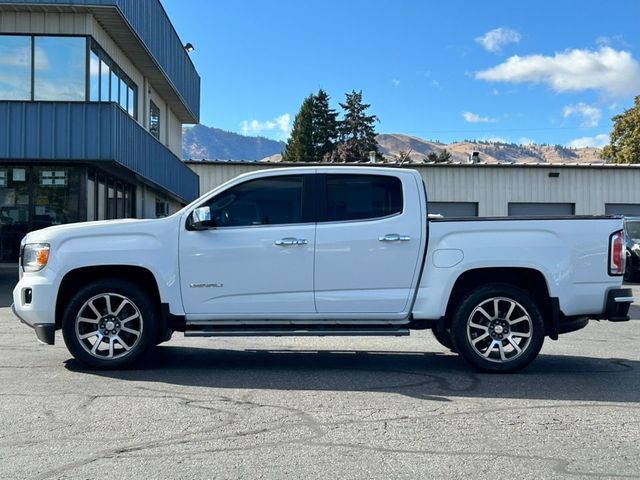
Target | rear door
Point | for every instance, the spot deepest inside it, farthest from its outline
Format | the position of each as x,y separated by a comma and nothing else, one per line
369,240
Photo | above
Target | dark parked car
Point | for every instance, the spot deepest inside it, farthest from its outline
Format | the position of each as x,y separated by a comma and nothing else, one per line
632,234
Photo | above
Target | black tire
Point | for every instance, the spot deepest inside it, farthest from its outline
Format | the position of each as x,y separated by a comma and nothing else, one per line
504,341
443,336
125,301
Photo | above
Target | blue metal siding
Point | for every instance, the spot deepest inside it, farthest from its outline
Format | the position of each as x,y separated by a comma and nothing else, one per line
69,132
152,25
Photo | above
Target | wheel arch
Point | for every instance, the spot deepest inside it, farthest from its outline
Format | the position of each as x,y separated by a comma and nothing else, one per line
141,276
528,279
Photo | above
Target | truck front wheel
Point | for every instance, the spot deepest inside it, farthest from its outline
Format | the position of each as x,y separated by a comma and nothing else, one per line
498,328
110,324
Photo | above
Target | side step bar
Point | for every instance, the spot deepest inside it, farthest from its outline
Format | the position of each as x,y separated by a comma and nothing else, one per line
296,332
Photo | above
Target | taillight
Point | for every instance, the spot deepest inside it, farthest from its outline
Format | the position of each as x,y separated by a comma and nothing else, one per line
617,254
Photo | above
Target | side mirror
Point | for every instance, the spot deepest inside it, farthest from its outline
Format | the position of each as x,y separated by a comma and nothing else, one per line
201,219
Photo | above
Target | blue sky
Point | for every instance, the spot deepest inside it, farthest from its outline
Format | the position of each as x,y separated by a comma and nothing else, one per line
542,71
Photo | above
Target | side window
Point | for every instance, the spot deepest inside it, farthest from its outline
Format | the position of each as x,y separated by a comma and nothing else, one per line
265,201
361,197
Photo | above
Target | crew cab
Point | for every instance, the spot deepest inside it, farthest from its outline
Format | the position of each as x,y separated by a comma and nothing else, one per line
321,251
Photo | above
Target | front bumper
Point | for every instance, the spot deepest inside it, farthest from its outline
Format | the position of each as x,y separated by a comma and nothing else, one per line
45,333
34,303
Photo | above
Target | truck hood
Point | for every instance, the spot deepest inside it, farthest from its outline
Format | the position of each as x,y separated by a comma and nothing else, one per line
60,233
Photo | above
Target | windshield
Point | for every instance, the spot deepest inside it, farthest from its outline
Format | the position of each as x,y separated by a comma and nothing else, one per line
633,228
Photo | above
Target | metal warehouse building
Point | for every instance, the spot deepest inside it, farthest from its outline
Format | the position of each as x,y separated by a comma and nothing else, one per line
497,190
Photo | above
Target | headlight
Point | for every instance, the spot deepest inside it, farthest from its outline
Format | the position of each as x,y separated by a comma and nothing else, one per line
35,256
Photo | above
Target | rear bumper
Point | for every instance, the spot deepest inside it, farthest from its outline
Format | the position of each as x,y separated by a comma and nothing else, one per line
617,305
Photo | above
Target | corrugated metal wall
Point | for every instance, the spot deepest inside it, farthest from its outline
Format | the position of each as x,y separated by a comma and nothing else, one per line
65,131
590,188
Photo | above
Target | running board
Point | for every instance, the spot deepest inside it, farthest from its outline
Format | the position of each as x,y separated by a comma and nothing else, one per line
297,332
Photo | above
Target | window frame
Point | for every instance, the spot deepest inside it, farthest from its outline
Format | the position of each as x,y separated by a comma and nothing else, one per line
323,197
91,45
308,207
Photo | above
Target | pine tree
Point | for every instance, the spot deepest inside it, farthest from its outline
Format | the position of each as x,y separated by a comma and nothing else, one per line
444,156
625,137
357,131
300,147
325,126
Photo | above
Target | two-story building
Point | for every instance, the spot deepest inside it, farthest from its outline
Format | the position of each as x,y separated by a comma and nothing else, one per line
93,96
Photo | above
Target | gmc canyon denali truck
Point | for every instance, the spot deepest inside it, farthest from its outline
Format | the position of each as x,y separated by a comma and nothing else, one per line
321,251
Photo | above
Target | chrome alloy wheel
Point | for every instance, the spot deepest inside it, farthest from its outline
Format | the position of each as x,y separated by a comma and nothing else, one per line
108,326
499,329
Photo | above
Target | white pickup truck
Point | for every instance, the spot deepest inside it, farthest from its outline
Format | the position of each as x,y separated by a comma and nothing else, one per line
321,251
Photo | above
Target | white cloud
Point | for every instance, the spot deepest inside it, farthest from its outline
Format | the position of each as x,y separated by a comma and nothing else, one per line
495,39
598,141
613,71
590,115
471,117
526,141
396,82
495,139
280,127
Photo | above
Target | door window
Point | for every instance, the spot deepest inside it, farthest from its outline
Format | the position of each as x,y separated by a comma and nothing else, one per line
265,201
362,197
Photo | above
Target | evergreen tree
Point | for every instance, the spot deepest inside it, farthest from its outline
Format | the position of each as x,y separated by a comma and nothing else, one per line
325,126
357,129
300,147
444,156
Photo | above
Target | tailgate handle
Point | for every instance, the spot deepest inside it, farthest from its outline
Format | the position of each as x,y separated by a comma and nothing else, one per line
394,237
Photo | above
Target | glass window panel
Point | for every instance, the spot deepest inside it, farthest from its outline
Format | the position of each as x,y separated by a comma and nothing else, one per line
154,120
360,197
111,201
267,201
102,214
104,81
15,67
91,199
56,196
14,211
60,65
94,77
120,205
128,202
131,102
115,82
123,94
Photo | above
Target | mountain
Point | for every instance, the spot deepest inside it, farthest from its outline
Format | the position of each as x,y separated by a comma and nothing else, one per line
205,143
392,145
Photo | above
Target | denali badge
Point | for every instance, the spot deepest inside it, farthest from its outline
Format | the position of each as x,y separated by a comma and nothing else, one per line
206,285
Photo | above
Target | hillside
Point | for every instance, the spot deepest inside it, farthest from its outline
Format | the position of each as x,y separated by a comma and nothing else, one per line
391,146
205,143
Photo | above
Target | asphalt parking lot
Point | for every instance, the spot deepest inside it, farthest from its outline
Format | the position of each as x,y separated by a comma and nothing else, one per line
322,408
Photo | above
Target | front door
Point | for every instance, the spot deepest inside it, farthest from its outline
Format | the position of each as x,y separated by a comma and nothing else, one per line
257,259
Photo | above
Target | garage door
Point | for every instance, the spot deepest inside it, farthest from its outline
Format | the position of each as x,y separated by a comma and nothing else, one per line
629,209
534,209
454,209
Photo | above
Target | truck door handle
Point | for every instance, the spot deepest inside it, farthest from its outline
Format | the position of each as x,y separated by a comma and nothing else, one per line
283,242
394,237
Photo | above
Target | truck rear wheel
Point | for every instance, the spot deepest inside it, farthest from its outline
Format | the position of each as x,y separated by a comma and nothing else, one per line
498,328
110,324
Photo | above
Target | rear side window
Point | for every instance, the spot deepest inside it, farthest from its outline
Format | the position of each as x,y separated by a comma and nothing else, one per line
362,197
265,201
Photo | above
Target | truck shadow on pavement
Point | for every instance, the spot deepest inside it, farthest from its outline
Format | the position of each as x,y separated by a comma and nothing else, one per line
428,376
